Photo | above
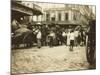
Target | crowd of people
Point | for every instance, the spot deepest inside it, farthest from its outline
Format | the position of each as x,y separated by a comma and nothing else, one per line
55,35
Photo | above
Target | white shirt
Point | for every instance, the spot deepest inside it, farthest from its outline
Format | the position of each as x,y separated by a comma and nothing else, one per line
72,36
38,35
64,34
76,33
68,35
52,34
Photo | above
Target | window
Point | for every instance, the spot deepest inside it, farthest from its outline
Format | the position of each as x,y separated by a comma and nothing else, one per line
74,16
66,16
59,17
52,15
53,18
47,17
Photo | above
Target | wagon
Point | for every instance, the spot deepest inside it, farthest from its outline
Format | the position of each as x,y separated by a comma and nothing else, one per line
91,43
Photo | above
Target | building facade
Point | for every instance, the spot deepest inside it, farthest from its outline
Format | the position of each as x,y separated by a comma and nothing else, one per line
23,11
70,15
67,16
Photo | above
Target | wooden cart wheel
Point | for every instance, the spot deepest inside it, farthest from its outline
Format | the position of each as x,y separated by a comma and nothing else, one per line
90,52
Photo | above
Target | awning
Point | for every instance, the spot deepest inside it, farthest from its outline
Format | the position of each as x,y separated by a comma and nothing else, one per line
18,7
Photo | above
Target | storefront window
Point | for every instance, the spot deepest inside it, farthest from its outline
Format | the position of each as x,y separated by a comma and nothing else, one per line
66,16
74,16
59,16
47,17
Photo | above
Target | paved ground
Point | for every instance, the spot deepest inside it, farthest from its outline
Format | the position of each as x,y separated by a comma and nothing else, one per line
48,59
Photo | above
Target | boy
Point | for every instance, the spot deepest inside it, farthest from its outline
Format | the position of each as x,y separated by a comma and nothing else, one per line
72,38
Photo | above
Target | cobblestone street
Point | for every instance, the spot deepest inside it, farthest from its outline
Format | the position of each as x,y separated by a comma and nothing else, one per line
46,59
